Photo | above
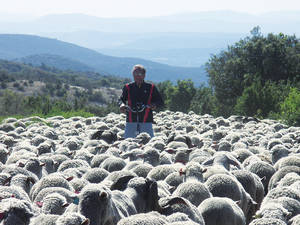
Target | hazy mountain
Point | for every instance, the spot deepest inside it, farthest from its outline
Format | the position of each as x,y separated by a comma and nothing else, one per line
56,61
20,46
211,21
186,39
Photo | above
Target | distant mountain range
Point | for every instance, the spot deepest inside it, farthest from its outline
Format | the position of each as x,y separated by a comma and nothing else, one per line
187,39
37,50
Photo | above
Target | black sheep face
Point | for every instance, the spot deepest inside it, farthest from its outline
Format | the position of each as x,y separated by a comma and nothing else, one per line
15,216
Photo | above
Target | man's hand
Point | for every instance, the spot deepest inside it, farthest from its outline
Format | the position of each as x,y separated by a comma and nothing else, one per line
123,108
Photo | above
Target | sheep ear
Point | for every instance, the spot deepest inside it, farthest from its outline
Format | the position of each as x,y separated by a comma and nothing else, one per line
263,178
65,205
7,181
69,178
171,151
238,202
42,164
86,222
121,183
103,195
21,164
175,200
30,179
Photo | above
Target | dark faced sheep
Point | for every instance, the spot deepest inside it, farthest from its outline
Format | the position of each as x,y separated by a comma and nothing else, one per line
15,211
104,207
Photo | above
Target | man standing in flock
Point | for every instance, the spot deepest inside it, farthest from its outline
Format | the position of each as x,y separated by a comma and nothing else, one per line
141,98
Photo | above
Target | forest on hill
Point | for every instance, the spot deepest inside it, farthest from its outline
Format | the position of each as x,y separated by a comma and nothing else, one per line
259,76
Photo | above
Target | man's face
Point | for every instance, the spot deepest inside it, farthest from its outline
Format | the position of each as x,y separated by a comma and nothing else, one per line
138,76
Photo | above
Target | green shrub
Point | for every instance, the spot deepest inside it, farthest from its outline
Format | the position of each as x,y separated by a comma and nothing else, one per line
290,108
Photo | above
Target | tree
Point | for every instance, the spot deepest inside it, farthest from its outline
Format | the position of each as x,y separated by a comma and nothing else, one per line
179,97
290,108
203,102
270,58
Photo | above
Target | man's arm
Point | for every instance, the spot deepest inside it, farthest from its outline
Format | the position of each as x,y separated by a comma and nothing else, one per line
157,100
122,100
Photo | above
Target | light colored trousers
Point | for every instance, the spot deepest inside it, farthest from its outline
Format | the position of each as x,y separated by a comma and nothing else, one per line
134,128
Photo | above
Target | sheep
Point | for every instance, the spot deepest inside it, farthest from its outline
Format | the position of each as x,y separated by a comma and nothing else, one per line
98,159
4,178
170,205
288,179
54,204
143,193
179,219
241,154
279,151
113,177
22,153
263,170
45,147
278,175
282,192
291,160
160,172
223,159
152,218
194,191
151,156
267,221
95,175
49,164
33,165
72,144
44,219
222,185
3,154
83,154
53,180
113,164
15,211
133,154
174,179
78,184
69,195
142,170
22,181
284,203
14,191
272,209
221,210
72,163
295,220
72,218
251,184
102,206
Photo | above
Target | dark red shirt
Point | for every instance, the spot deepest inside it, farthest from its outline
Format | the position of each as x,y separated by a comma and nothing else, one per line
138,96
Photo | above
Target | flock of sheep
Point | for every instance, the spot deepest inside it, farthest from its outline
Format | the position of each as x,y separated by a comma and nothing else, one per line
196,170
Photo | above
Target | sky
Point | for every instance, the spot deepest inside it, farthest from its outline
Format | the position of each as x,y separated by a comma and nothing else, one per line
138,8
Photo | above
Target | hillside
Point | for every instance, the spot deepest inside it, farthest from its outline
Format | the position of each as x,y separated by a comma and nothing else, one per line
56,61
14,46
